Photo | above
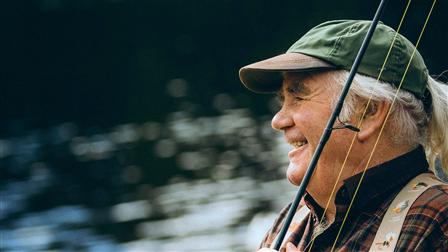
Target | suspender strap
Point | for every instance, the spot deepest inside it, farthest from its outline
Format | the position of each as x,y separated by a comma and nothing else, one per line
387,235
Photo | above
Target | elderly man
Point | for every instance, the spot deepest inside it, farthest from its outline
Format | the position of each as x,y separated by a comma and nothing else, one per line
360,176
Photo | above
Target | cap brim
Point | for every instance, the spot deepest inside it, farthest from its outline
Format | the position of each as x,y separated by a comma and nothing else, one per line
266,76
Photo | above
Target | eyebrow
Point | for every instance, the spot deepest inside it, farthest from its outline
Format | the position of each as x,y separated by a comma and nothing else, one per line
297,88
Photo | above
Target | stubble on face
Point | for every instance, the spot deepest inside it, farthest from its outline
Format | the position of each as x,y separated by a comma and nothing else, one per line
307,104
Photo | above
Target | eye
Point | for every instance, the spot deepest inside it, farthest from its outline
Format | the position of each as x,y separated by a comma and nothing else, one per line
298,98
296,93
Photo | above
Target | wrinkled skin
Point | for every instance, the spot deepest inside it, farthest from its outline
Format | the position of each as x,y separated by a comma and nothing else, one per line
307,103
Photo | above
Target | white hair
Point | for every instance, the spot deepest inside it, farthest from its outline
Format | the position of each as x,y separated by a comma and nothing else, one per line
410,122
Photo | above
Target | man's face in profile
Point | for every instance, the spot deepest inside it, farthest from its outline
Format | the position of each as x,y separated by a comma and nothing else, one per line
306,104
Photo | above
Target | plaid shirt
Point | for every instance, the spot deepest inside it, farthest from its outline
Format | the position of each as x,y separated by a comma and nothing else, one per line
425,227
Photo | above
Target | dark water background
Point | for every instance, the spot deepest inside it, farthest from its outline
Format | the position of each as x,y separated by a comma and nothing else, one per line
124,126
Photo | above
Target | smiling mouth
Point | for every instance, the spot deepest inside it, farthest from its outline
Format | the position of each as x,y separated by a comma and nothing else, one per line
298,144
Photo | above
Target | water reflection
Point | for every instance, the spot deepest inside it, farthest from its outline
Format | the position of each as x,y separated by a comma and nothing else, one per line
103,192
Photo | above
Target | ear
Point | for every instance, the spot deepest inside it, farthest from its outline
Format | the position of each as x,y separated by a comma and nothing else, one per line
373,120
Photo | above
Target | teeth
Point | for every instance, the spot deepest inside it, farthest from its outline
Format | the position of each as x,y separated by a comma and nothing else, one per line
298,144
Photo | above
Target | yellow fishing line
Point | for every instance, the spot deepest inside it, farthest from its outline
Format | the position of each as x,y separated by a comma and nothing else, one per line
384,123
362,117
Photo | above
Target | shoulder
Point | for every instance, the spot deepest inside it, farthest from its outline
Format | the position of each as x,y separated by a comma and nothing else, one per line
426,224
433,203
299,218
275,228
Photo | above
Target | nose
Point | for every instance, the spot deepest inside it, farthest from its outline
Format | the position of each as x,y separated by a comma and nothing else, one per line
282,120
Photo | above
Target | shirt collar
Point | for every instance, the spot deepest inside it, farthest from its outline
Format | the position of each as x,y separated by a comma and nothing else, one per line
383,179
378,181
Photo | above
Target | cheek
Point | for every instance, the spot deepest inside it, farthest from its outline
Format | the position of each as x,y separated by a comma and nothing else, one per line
312,123
306,117
338,146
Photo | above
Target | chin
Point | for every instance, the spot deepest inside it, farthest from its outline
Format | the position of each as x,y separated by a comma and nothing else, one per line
295,174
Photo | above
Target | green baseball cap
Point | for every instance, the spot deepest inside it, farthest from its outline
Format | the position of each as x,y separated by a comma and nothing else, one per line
334,45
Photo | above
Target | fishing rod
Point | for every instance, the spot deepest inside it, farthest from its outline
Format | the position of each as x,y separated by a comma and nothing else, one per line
329,127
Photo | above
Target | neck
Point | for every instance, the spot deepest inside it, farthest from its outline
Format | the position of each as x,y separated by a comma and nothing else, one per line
327,202
323,194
